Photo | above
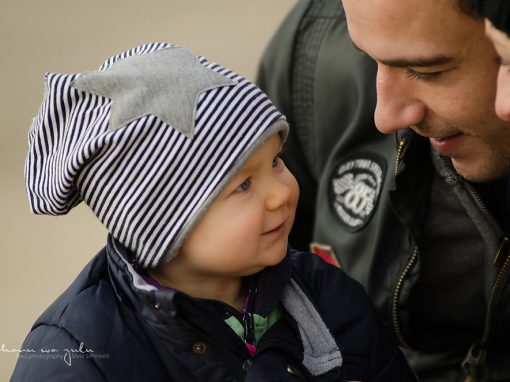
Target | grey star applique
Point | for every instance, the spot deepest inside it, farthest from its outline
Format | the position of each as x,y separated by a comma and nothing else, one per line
165,83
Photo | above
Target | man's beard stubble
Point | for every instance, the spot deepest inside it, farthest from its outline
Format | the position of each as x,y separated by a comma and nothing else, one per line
496,166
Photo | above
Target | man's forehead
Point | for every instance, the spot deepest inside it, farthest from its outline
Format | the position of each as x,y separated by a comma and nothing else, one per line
405,15
407,7
409,32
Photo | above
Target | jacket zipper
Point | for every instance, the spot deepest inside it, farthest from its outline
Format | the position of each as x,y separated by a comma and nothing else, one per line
481,205
493,221
396,296
477,352
398,286
500,279
401,145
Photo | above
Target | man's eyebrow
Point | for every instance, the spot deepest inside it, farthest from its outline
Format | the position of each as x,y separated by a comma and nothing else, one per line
412,62
417,62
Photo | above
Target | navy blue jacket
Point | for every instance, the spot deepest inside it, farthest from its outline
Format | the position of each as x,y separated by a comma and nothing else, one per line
109,325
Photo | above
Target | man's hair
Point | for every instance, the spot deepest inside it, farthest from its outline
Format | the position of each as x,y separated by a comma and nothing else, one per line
465,6
497,11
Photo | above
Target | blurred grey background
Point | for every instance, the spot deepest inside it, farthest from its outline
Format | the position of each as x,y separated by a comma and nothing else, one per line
41,255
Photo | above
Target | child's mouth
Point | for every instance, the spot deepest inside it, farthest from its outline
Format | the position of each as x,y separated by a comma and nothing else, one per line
275,230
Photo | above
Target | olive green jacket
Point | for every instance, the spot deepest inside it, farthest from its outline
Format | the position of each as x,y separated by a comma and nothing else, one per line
365,196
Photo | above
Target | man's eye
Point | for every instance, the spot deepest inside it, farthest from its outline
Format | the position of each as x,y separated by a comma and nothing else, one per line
244,186
422,76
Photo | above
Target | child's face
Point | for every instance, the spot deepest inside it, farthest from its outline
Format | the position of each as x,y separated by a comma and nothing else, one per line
501,43
247,226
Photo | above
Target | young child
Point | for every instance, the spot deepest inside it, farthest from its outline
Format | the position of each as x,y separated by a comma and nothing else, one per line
179,158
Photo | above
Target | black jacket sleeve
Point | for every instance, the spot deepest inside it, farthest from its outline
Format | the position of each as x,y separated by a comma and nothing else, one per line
369,352
51,354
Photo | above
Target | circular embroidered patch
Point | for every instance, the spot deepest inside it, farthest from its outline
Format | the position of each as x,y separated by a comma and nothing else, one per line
355,186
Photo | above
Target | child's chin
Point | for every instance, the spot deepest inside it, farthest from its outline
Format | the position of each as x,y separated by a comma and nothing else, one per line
278,258
270,263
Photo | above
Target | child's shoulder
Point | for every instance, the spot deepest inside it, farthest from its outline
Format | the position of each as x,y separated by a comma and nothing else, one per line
95,330
326,283
344,306
319,274
68,329
84,294
340,299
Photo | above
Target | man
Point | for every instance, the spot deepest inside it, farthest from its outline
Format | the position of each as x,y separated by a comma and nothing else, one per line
422,223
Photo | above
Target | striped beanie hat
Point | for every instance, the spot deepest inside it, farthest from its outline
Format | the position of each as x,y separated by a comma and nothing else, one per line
147,142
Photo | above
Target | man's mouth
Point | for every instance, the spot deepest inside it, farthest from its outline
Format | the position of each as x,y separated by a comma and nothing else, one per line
447,145
446,138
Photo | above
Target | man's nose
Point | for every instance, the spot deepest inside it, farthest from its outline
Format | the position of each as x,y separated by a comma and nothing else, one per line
398,105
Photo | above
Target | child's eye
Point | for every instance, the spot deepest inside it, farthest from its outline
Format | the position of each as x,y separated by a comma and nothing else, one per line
501,62
244,186
277,161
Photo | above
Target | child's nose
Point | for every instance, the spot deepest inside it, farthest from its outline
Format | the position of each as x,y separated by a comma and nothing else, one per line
278,195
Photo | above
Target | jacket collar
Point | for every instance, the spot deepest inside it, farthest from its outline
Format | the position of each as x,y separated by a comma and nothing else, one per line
267,286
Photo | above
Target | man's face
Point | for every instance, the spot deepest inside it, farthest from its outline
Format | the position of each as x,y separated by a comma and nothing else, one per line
437,75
